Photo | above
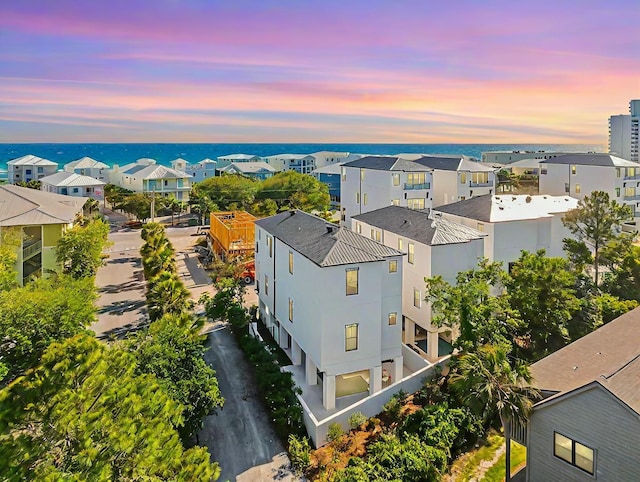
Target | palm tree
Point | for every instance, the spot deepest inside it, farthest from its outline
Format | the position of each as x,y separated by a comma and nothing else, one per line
166,294
491,386
157,252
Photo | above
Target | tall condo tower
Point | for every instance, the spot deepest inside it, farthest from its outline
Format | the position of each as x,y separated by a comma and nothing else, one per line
623,133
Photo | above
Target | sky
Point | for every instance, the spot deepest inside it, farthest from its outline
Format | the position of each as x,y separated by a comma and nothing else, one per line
388,71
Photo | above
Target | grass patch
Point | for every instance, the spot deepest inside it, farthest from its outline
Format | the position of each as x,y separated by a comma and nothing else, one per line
466,466
497,472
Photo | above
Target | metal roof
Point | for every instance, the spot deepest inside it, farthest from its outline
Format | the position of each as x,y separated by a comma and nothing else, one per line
85,163
31,160
590,159
250,167
70,179
419,226
20,206
155,171
324,243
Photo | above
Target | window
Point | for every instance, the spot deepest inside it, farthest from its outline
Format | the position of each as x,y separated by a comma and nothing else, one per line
28,171
364,198
566,187
358,228
415,203
414,178
270,243
574,169
617,192
352,281
75,189
400,244
411,257
40,170
290,310
373,233
393,319
481,227
378,236
393,266
358,197
631,172
395,202
396,179
362,174
166,183
417,298
266,284
629,192
573,452
343,173
463,178
577,188
617,172
291,262
351,337
480,177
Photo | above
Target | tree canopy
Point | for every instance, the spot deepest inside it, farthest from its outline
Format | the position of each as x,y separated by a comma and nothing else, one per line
291,189
230,191
79,250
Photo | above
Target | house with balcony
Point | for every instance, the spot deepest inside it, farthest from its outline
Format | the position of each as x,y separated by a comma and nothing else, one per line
38,219
29,168
514,223
146,176
587,425
256,170
434,247
87,166
302,163
72,184
578,175
200,171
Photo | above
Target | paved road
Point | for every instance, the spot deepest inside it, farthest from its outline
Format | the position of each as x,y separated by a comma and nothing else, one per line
240,436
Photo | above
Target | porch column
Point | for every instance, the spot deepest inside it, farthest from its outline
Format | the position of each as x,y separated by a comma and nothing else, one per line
284,339
409,331
311,377
432,345
398,369
296,353
375,379
329,391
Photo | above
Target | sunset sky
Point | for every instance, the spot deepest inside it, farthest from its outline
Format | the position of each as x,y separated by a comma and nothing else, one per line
316,71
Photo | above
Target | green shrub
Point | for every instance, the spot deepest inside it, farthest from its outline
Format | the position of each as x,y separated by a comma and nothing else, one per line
299,453
335,432
392,408
356,420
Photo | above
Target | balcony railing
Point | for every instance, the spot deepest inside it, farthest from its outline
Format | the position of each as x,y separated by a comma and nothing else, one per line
31,250
480,184
635,197
34,274
413,187
631,178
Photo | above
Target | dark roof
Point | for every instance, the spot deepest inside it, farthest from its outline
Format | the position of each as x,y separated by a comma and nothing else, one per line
477,207
610,355
417,225
386,163
442,163
322,242
590,159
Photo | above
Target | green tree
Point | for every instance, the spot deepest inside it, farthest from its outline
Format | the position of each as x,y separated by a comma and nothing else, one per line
167,294
228,191
10,242
472,306
33,184
291,189
157,251
84,414
622,258
79,250
596,221
138,205
34,316
541,289
492,386
172,349
201,204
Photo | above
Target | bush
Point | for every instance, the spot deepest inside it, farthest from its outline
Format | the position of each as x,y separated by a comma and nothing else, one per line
299,453
392,408
356,420
335,432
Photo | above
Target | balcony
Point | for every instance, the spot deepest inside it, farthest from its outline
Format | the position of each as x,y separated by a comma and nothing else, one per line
33,274
31,250
635,197
632,178
488,183
415,187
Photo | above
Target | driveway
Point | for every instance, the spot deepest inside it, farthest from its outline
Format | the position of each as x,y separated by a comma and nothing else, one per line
239,436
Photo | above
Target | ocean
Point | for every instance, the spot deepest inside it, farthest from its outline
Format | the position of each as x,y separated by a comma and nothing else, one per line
164,153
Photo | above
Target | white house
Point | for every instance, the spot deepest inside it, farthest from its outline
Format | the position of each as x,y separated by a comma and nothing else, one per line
29,168
146,176
72,184
624,133
200,171
328,158
507,157
587,426
229,158
302,163
333,299
514,223
578,175
434,247
256,170
87,166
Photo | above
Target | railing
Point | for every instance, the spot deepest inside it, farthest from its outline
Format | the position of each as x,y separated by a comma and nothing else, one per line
480,184
411,187
635,197
631,178
31,250
34,274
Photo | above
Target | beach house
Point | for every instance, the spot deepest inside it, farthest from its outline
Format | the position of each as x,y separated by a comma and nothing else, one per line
29,168
146,176
87,166
254,169
72,184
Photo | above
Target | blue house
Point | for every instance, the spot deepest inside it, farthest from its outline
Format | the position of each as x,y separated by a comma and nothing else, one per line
330,175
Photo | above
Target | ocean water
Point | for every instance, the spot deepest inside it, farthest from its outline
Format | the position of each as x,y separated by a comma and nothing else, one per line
164,153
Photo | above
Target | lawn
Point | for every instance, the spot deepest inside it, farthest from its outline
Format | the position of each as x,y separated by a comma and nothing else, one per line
467,465
497,472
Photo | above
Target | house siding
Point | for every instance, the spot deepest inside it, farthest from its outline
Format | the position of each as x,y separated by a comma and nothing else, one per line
594,418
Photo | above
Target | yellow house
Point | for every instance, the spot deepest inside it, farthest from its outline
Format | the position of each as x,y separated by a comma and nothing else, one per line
39,219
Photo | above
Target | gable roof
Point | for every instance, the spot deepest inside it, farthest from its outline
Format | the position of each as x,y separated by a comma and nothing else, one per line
251,167
335,168
453,163
31,160
590,159
85,163
324,243
155,171
492,208
386,163
21,206
609,355
239,157
64,178
417,225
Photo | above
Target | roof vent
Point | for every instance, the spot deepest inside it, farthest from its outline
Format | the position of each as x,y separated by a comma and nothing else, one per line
528,199
292,212
329,228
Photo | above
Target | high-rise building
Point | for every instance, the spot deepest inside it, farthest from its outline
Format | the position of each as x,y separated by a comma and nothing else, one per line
623,133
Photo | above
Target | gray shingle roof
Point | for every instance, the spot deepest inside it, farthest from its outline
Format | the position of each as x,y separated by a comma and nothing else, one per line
387,163
20,206
590,159
478,207
417,225
324,243
610,355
